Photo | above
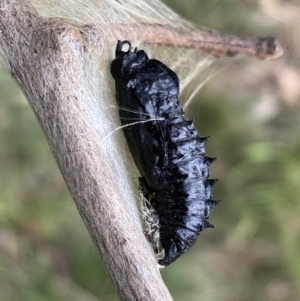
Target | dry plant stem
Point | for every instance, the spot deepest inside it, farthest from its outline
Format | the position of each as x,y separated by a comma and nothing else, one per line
43,55
211,42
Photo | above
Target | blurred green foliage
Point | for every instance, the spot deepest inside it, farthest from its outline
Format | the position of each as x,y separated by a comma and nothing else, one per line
253,254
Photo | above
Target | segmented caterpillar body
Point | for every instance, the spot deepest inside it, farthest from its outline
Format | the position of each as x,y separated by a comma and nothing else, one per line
167,151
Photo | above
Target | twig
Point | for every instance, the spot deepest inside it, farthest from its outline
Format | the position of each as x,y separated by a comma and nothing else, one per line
214,43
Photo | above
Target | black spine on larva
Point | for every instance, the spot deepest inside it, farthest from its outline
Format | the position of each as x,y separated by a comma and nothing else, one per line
166,149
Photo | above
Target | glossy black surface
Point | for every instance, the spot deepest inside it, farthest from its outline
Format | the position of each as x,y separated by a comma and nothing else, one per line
166,149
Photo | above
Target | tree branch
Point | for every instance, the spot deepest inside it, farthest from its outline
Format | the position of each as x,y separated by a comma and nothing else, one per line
44,57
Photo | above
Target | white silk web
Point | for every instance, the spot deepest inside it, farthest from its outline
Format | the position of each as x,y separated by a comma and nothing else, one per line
106,15
97,92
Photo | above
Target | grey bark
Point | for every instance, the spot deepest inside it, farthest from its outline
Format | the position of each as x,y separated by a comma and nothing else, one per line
39,53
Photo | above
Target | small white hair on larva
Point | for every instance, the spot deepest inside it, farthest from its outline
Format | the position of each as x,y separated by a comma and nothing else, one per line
151,225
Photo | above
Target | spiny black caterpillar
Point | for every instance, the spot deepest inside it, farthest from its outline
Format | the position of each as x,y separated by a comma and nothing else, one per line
167,151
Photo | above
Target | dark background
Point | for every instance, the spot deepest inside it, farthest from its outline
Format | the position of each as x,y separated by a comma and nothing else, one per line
250,108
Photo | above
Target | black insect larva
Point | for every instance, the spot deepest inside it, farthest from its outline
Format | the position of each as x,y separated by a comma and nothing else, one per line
167,151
